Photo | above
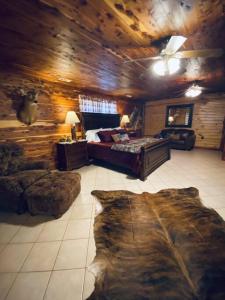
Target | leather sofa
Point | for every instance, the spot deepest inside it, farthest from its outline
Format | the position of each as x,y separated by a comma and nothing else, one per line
182,139
30,185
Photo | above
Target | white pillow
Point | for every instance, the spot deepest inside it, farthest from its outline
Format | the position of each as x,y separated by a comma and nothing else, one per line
104,129
91,135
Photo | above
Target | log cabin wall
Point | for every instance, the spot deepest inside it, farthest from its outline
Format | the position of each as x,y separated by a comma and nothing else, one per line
208,116
38,139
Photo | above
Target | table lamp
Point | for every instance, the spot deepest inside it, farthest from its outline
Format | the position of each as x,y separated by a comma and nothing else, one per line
125,119
72,119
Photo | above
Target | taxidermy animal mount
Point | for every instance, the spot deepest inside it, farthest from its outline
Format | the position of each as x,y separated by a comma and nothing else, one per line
26,106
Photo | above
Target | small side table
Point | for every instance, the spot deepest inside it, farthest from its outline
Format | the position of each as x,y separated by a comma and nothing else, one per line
72,155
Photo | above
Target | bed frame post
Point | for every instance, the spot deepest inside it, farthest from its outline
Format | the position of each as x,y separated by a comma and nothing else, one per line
152,157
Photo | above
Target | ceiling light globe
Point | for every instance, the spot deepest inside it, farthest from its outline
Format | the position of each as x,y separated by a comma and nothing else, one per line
173,65
169,67
160,68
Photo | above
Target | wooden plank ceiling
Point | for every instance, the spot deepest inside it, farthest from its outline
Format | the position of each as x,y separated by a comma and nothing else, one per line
86,41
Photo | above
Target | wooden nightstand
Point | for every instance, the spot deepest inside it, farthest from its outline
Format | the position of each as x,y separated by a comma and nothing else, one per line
72,155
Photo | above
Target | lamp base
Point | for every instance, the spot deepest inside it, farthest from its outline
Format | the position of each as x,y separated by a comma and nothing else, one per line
73,133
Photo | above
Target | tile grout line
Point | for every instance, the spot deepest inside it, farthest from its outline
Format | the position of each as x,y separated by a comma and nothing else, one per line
17,273
85,268
11,285
93,208
24,272
47,285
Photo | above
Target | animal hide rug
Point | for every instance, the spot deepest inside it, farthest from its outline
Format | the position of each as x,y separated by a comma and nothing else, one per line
163,246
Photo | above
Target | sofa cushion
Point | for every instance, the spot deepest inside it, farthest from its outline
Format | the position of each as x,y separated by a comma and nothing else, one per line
184,135
29,177
34,165
178,142
10,158
175,136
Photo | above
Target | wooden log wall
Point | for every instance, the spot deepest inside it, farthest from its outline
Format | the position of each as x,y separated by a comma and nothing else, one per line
39,139
208,116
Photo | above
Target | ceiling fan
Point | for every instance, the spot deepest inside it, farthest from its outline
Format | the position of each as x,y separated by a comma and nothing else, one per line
171,51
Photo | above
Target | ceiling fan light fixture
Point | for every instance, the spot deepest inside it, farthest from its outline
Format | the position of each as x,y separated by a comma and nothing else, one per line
193,91
170,67
160,68
175,42
173,65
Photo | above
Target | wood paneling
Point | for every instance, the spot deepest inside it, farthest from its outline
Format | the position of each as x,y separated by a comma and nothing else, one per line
208,116
87,42
54,101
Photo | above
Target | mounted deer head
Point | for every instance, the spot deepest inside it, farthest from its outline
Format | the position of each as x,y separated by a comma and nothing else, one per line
27,107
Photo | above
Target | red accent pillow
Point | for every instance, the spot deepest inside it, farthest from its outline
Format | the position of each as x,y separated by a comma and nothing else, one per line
106,135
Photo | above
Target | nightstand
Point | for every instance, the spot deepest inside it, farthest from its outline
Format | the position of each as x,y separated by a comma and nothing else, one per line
72,155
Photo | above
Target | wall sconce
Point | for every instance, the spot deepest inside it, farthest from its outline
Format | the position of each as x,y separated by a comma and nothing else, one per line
72,119
125,119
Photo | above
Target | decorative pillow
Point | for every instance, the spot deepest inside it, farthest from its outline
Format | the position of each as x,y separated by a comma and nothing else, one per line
184,136
124,137
106,136
116,137
175,136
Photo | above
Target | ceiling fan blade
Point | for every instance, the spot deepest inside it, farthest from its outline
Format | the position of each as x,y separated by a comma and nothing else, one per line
199,53
175,42
142,59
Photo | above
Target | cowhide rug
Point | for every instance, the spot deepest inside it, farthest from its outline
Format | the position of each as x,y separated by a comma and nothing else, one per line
163,246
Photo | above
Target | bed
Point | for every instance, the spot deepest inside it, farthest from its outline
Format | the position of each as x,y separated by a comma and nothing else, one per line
141,164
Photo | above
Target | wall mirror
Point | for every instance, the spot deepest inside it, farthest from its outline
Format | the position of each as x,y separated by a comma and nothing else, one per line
179,115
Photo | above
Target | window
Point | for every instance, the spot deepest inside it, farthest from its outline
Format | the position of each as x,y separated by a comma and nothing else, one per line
97,105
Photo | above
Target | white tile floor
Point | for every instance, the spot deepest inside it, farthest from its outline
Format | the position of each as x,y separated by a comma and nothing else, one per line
43,258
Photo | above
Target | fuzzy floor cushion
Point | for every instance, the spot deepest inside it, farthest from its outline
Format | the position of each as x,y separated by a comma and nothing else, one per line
163,246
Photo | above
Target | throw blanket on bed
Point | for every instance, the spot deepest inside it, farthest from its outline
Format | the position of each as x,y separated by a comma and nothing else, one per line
133,146
158,246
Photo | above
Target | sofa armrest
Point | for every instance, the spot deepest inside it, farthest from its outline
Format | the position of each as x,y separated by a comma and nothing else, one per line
10,193
9,183
157,136
34,165
190,141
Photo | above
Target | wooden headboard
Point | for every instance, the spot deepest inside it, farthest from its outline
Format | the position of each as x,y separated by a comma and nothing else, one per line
98,120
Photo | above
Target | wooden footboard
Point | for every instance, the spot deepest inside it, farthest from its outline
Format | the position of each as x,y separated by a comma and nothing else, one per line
152,157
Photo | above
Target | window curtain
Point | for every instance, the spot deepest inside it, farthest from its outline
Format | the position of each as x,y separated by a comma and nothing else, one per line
97,105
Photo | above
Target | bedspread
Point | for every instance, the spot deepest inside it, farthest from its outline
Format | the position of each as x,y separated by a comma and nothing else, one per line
133,146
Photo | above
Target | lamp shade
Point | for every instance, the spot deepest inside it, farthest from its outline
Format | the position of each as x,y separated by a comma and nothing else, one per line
125,119
71,118
171,119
